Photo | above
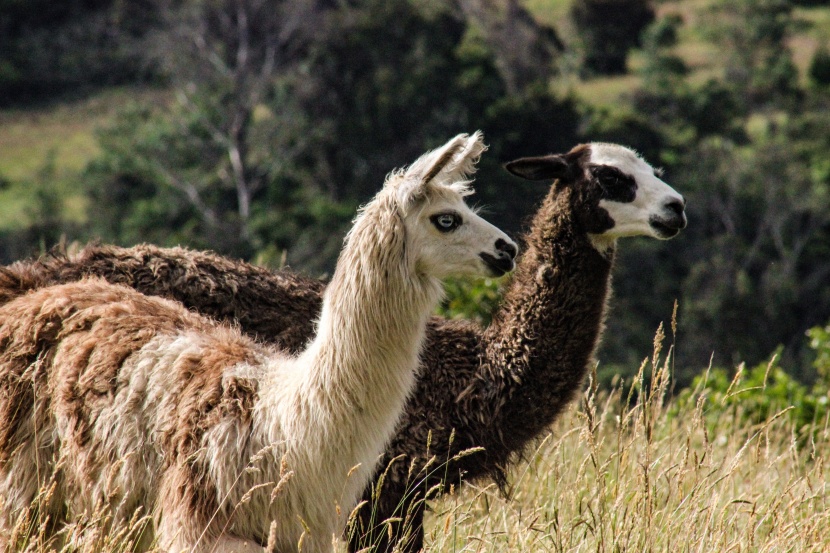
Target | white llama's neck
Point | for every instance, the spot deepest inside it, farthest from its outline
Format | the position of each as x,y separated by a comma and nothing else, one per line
372,321
368,338
353,379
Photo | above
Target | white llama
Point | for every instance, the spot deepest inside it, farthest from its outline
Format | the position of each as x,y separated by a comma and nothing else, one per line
133,401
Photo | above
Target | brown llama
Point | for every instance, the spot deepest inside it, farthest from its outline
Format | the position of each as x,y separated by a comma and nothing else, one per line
131,401
497,388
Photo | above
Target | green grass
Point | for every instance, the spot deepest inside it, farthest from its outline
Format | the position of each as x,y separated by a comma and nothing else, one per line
65,132
550,12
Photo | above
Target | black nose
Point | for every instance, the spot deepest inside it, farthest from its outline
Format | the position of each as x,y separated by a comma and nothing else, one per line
677,206
506,247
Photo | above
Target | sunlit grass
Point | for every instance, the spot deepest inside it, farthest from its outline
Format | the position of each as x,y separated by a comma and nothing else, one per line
550,12
62,134
613,476
606,91
629,469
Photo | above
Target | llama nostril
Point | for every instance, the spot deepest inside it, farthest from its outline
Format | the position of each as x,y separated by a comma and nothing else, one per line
506,247
676,206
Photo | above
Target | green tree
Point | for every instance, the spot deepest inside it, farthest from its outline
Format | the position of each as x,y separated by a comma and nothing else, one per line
288,116
662,69
753,35
608,29
53,48
819,70
756,276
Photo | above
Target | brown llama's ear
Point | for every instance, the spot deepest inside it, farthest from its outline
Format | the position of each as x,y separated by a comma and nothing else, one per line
540,168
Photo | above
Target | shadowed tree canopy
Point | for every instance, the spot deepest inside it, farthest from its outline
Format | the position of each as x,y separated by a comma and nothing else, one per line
608,29
288,114
50,49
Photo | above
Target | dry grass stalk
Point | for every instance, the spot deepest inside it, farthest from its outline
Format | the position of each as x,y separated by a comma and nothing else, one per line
623,471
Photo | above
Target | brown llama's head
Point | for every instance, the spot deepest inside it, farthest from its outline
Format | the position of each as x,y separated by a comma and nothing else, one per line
614,192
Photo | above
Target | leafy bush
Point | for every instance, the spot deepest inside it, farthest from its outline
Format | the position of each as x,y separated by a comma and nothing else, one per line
609,29
753,35
820,343
761,394
820,66
475,300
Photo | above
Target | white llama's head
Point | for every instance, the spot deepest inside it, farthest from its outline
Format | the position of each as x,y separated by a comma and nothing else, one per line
444,237
615,192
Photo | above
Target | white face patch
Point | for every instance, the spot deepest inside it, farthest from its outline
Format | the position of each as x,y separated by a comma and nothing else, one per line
444,236
453,240
656,210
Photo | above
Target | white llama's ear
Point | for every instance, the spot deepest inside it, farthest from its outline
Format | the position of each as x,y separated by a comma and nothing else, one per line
453,162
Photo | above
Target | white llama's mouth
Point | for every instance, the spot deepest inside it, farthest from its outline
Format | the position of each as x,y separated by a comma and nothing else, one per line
498,265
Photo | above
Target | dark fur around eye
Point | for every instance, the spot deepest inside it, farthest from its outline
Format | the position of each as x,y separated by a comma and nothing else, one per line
616,186
446,222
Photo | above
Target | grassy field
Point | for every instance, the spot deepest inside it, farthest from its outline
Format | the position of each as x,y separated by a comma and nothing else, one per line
652,477
49,147
630,470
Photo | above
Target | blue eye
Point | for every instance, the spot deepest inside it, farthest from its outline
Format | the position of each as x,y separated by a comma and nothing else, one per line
446,222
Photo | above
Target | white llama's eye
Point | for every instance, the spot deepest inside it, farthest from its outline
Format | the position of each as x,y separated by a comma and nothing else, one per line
446,222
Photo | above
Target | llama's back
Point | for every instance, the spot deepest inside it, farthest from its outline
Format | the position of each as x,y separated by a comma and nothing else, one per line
120,388
279,306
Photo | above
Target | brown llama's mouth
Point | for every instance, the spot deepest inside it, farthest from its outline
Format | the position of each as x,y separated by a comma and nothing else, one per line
498,265
668,227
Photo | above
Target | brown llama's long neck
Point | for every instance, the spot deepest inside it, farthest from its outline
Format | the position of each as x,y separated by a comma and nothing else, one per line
541,342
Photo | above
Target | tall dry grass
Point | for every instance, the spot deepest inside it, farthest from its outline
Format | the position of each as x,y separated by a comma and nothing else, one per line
631,471
624,470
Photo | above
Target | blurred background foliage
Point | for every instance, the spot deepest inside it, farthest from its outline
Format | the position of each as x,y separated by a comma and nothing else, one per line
256,127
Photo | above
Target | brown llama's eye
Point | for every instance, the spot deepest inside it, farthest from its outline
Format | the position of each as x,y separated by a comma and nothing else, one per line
446,222
616,185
